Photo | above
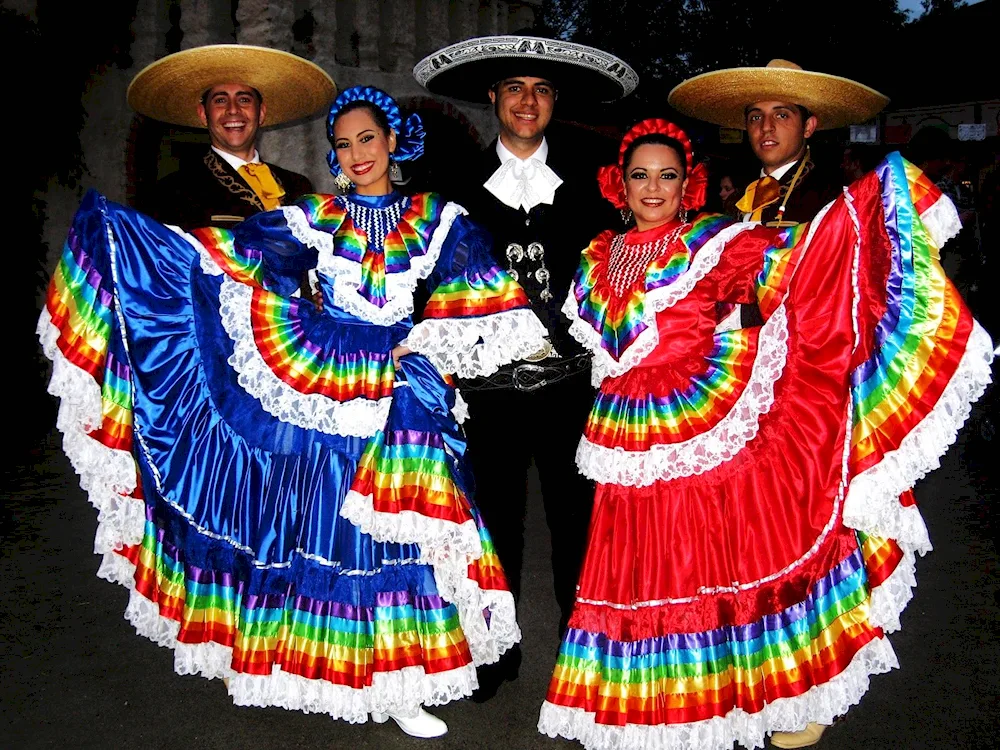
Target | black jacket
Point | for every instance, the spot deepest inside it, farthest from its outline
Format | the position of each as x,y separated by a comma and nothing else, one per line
563,229
209,192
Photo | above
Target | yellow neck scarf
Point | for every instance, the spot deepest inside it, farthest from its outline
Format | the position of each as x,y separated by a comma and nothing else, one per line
262,182
758,196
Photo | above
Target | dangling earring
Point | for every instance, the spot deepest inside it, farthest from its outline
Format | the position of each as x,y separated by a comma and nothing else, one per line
683,215
626,215
395,173
343,182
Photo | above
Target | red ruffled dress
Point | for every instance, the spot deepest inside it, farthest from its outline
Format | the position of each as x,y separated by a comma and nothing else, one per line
754,532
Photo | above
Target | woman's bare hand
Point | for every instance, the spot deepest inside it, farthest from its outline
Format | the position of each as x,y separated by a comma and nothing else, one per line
400,351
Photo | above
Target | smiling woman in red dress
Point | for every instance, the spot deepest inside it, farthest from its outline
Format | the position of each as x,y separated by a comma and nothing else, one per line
754,529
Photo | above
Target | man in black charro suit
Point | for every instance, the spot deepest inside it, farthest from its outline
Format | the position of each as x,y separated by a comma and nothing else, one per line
232,91
535,189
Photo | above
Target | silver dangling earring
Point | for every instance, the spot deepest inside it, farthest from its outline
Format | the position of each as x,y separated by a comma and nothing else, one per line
343,182
626,215
684,216
395,173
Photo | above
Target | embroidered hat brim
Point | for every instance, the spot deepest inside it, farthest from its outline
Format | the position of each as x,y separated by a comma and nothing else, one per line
171,88
722,96
466,70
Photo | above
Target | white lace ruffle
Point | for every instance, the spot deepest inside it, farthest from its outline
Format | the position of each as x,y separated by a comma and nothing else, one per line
344,274
821,704
409,527
941,221
478,347
709,449
449,549
655,301
402,691
451,575
107,475
890,598
873,498
358,417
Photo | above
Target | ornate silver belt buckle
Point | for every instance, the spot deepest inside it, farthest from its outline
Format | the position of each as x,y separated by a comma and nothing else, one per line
527,387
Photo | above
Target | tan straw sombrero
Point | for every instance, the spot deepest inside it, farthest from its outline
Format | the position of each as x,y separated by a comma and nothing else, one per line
721,97
170,89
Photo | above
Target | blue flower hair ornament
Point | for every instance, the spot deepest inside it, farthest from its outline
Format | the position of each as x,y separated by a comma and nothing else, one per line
409,136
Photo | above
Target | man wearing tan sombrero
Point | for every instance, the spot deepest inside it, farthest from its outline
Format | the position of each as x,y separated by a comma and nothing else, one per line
231,90
780,106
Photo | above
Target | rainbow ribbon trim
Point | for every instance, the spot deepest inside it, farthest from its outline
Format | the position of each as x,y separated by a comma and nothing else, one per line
344,642
638,423
80,303
687,677
244,264
410,470
621,320
780,261
476,294
284,344
408,240
921,337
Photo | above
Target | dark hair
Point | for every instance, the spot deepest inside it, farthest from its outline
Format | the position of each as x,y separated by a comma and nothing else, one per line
376,112
661,140
204,96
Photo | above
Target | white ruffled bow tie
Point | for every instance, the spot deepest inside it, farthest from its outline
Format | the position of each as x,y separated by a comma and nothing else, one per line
523,183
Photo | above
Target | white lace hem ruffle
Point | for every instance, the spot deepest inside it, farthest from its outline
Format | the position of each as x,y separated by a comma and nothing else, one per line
709,449
872,503
655,301
345,275
478,347
107,475
889,599
401,691
359,417
821,704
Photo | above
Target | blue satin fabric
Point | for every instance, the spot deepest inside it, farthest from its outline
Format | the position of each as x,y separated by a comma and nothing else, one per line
228,484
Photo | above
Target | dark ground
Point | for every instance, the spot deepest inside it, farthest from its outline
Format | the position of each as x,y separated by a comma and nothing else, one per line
74,674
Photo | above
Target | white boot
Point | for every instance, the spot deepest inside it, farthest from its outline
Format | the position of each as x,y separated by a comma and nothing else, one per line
421,724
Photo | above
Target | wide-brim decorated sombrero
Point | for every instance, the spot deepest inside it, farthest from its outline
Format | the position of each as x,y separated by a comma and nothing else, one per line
722,96
171,88
466,70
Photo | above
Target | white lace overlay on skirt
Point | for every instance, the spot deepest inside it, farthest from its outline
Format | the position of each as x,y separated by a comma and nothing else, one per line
709,449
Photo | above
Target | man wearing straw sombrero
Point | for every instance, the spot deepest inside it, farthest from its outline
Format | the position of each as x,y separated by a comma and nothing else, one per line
780,106
536,191
232,90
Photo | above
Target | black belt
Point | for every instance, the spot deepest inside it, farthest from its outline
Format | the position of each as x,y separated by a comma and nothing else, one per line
529,376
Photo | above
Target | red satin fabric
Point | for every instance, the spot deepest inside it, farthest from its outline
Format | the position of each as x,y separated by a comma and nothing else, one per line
769,515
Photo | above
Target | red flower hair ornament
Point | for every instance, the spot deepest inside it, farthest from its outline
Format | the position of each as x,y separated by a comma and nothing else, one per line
612,181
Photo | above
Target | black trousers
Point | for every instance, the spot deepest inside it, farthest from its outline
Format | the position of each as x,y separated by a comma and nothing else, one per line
506,430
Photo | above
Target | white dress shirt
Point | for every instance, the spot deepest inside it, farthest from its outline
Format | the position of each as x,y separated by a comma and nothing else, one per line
523,183
234,161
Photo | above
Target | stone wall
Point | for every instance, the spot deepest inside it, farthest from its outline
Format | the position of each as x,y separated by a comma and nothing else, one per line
373,42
